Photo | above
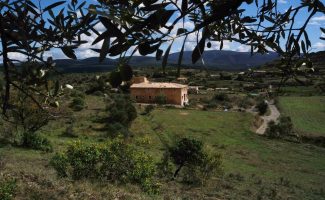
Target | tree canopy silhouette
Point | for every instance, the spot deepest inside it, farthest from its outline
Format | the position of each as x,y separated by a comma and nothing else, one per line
144,26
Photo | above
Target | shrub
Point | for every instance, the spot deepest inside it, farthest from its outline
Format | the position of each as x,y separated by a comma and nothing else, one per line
211,104
83,159
123,163
35,141
115,161
221,97
60,163
70,132
116,128
165,167
211,164
148,109
281,129
77,104
97,86
76,93
161,99
143,141
7,189
262,107
246,102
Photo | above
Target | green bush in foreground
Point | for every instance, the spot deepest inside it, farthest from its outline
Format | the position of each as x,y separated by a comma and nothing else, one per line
115,161
7,189
83,159
60,163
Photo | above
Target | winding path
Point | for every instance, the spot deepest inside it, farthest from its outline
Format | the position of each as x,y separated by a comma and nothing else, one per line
274,115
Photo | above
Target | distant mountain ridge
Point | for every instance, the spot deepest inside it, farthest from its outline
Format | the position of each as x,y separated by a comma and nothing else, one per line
227,60
215,59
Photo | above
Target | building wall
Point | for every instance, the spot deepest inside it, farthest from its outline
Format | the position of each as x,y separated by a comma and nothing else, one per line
177,96
139,79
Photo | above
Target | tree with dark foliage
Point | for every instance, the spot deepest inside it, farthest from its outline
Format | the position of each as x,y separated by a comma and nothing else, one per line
199,162
186,152
30,30
144,26
121,115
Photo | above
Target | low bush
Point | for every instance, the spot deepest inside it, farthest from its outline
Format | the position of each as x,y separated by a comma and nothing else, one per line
123,163
83,159
7,189
76,93
281,129
212,104
37,142
246,102
60,163
262,107
218,100
70,132
161,99
148,109
115,161
77,104
114,129
221,97
165,167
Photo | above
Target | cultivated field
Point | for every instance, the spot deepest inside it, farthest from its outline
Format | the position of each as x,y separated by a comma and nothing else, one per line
307,113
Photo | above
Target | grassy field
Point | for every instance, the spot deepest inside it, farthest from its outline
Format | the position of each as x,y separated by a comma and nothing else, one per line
307,113
255,167
300,90
244,152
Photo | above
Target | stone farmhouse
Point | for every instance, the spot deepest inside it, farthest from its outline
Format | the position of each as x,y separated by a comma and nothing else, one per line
144,91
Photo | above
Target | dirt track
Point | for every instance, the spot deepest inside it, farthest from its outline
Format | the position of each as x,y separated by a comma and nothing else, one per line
274,115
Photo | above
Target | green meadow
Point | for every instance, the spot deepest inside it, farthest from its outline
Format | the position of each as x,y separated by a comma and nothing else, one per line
307,113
